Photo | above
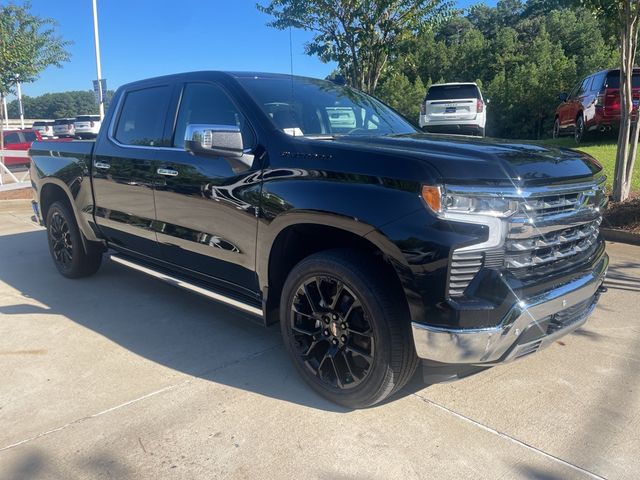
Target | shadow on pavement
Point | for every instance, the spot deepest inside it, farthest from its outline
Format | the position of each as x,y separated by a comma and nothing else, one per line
166,325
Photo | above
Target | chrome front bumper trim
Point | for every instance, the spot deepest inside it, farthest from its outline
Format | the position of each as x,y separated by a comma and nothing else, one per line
494,345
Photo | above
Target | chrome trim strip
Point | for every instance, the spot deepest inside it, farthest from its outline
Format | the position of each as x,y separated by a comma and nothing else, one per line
526,192
489,345
189,286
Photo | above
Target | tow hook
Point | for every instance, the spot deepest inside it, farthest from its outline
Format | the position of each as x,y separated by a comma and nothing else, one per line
602,289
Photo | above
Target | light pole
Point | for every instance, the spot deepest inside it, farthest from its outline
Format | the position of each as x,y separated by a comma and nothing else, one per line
20,102
6,115
98,69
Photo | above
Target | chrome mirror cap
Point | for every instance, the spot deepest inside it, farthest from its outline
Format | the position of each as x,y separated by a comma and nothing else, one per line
222,140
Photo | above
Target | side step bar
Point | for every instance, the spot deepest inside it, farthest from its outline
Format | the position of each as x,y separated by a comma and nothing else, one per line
177,282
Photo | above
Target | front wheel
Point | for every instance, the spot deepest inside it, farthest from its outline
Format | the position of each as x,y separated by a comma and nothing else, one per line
579,133
346,329
65,244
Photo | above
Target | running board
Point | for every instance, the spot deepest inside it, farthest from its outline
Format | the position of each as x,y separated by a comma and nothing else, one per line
177,282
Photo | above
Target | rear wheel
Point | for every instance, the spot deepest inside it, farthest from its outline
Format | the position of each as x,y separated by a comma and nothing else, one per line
347,332
556,128
65,244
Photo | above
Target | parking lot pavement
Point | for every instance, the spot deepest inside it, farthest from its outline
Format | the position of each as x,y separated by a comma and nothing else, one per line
121,376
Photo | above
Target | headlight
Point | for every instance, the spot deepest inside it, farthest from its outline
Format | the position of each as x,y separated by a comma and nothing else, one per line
444,202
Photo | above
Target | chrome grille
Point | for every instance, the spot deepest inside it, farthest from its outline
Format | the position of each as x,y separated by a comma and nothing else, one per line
552,228
464,267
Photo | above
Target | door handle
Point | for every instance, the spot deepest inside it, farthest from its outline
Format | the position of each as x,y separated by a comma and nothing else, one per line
102,165
167,172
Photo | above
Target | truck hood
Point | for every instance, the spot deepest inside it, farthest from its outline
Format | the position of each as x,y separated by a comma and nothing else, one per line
461,160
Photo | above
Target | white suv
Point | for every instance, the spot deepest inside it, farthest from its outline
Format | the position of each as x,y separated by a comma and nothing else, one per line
454,108
87,126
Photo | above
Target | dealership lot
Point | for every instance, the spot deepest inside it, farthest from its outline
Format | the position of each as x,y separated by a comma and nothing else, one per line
121,376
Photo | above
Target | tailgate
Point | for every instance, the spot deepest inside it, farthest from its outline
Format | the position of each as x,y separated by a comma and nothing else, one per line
458,109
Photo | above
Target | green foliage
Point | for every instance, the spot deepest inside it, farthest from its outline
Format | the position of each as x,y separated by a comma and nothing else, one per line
522,53
28,45
58,105
403,95
362,36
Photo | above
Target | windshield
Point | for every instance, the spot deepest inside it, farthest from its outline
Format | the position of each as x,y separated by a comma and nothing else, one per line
304,106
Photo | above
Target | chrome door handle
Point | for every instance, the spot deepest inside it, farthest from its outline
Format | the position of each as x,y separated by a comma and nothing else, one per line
167,172
102,165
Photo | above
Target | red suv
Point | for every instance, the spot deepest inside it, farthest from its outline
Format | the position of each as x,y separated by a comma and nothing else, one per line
593,105
19,140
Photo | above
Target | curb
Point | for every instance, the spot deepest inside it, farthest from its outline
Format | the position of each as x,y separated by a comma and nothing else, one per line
620,236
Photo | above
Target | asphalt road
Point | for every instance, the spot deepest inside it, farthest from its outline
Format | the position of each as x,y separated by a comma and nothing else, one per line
121,376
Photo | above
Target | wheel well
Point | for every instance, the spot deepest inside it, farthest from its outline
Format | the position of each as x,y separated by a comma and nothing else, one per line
300,241
52,193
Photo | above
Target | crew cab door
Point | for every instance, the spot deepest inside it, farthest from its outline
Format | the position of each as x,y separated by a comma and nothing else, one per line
206,204
125,169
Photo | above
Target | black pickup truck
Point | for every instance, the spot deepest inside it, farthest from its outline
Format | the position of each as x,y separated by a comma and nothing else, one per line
299,201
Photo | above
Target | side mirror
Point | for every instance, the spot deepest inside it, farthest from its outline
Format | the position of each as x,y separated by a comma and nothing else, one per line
563,97
221,140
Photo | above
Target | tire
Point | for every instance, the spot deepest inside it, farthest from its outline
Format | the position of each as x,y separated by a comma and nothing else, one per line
353,354
65,244
556,128
579,133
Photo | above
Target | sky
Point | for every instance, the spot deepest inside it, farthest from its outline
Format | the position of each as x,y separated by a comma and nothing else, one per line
141,39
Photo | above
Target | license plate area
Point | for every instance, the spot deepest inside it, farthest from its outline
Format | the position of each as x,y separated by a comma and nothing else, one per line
450,110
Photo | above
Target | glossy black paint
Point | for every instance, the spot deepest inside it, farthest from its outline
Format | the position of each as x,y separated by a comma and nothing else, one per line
221,223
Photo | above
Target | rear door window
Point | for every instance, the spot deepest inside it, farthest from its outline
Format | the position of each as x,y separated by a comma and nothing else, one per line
142,117
584,87
452,92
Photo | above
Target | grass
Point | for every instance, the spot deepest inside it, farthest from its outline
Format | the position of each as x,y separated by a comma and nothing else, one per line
603,150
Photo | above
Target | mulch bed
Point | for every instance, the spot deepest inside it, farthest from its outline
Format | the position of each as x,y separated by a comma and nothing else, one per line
623,216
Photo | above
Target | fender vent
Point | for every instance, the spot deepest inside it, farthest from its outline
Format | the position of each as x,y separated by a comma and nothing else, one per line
464,267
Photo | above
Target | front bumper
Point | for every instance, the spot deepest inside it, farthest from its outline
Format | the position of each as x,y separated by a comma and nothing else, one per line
530,325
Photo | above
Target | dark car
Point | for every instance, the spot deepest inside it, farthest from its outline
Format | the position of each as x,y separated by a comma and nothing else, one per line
20,140
593,105
377,248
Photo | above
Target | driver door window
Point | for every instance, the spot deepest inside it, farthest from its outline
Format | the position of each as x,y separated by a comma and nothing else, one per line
205,103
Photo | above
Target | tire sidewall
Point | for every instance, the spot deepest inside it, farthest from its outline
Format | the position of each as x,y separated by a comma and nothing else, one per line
76,259
579,134
373,385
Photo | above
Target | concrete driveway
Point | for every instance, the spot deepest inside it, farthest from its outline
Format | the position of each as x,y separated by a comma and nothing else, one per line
121,376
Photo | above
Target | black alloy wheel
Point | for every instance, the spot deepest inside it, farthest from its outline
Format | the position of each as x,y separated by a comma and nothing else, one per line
60,240
347,328
579,131
72,257
332,332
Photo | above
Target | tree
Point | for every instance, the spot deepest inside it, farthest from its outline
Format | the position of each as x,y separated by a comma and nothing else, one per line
360,35
60,105
629,23
399,93
624,17
28,45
